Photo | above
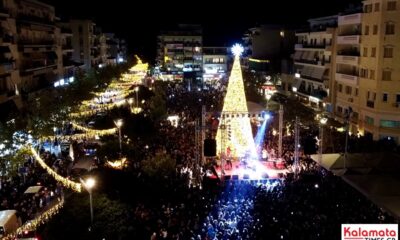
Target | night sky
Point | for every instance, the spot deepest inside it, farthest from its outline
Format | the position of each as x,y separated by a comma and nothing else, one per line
223,22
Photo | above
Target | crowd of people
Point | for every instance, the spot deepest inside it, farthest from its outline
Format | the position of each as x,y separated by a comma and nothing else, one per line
28,205
311,206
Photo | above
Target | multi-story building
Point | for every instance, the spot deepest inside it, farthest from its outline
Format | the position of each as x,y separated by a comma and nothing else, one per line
372,89
69,66
30,42
179,53
346,86
122,51
215,63
112,48
266,45
313,62
86,43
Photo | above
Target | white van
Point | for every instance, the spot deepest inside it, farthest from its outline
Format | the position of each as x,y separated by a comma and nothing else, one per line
9,222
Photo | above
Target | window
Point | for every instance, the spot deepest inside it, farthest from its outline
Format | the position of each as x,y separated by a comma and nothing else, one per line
391,6
388,52
375,30
386,75
364,73
373,52
397,98
339,109
340,88
390,124
384,97
368,95
369,120
389,28
366,30
365,53
372,74
368,8
377,7
356,92
348,90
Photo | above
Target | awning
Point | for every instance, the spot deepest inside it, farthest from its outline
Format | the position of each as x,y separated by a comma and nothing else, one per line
33,189
317,73
297,55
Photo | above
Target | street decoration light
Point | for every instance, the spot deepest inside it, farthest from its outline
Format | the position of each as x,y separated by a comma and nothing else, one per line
119,123
89,184
322,122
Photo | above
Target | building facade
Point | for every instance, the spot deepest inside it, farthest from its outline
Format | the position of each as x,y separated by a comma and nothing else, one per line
215,64
179,53
314,62
31,47
372,92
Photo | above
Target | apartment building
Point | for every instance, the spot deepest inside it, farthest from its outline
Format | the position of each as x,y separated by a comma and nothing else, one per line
179,53
266,46
215,63
30,43
371,87
313,62
86,42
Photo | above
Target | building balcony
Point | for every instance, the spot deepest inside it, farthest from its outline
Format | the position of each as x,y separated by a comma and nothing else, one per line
350,19
34,19
320,94
352,39
311,46
347,79
37,65
38,41
350,60
313,62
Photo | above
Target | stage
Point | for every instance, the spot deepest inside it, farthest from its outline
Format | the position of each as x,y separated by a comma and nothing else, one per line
255,170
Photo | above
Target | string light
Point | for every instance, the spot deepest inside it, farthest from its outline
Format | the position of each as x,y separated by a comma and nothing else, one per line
36,222
64,181
118,164
94,132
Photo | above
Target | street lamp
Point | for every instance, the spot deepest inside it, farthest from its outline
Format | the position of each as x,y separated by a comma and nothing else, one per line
118,123
322,122
137,91
130,101
89,184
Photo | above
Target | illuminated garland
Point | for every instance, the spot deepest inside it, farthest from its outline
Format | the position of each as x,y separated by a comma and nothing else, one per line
36,222
64,181
93,131
118,164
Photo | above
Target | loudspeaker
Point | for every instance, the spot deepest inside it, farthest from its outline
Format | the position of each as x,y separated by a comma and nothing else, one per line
227,177
210,148
235,177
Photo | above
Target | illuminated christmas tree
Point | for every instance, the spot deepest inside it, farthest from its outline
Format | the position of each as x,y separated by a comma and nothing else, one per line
237,135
